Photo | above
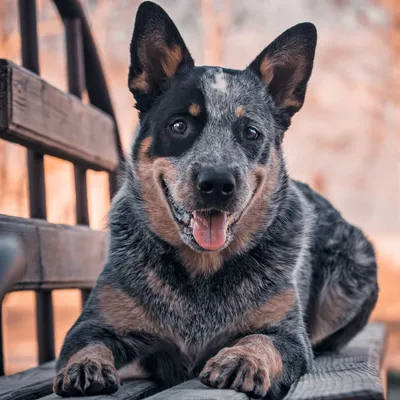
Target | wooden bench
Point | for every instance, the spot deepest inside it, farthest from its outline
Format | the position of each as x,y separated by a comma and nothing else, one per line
36,255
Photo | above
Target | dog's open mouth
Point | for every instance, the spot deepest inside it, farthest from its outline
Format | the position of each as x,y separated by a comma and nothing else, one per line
210,229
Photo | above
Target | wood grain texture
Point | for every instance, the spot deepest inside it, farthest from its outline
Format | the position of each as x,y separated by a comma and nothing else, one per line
26,232
47,120
33,383
56,256
353,373
195,390
132,390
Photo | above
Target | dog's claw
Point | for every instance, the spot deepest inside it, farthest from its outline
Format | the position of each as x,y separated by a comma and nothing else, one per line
86,378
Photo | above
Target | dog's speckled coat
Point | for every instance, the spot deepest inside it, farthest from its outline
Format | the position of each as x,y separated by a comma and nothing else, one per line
293,276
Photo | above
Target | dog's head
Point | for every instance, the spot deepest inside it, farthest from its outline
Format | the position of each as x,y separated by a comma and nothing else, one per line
207,157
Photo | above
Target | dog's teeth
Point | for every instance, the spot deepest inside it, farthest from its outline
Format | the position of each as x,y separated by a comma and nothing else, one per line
186,219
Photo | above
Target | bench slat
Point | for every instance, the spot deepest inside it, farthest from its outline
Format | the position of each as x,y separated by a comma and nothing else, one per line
57,256
352,373
39,116
195,390
30,384
132,390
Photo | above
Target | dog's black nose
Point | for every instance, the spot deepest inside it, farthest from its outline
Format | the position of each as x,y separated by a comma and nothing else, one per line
216,182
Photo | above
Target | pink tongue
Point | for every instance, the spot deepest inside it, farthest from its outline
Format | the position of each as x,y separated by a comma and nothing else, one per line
209,229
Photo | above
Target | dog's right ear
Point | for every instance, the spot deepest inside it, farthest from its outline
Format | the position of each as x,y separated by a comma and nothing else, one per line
158,52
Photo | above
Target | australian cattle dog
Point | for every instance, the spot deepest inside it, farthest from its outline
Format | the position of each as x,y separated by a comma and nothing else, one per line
219,266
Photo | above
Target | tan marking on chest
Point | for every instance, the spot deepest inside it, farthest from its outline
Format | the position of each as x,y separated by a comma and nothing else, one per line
200,263
123,313
165,292
271,312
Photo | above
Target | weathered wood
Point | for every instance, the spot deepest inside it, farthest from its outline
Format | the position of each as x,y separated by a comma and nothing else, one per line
71,256
57,256
42,118
26,232
37,184
352,373
132,390
33,383
195,390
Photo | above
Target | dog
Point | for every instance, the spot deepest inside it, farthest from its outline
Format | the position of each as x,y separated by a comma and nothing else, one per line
219,264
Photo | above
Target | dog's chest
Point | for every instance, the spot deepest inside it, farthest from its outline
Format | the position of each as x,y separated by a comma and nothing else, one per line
204,318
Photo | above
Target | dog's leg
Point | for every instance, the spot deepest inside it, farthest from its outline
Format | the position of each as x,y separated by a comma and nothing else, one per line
346,289
92,353
89,360
345,334
264,363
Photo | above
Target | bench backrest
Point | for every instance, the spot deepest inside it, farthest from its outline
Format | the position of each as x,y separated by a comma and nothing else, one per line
48,121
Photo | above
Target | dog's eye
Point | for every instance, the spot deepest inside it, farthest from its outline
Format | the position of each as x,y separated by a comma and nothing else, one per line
179,127
251,133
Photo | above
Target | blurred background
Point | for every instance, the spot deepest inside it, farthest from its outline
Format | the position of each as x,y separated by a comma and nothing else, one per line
345,142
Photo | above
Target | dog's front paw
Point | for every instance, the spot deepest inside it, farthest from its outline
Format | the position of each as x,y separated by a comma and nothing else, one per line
237,369
88,377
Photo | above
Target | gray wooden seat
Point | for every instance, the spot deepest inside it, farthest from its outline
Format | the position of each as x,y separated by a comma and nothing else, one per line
352,373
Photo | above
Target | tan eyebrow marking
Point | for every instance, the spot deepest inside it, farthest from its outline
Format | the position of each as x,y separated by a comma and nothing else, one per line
194,109
239,111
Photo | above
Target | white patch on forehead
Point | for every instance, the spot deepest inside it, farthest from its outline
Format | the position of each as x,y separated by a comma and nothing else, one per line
217,90
220,81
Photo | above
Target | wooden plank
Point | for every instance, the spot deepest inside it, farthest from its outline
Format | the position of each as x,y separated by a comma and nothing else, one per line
195,390
353,373
26,233
71,254
30,384
132,390
57,256
47,120
37,383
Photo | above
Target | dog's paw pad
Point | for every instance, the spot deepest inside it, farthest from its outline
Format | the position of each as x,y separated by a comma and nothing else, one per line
86,378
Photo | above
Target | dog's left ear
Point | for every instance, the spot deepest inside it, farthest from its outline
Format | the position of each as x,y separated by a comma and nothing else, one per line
158,52
285,66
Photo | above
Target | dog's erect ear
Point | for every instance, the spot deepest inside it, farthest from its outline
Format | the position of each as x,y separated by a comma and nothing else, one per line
285,66
158,52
